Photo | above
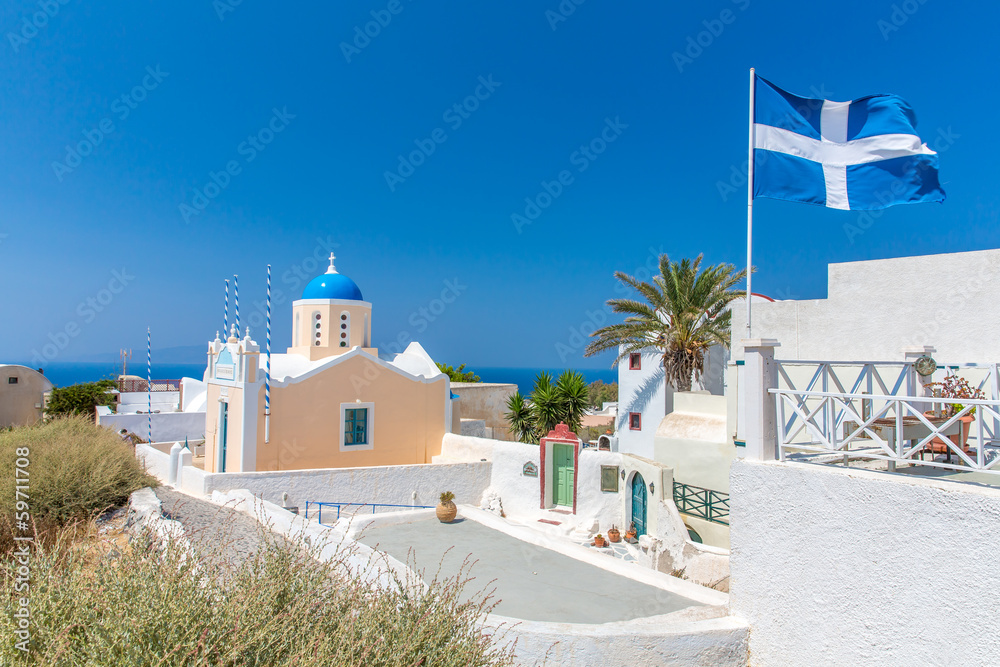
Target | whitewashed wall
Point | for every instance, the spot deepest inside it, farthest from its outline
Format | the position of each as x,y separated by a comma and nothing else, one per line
646,392
836,566
395,485
876,308
166,425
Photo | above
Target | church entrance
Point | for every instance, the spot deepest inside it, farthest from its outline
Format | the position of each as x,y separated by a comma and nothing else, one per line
223,433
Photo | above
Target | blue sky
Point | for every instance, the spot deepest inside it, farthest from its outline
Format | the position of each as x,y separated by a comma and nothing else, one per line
165,96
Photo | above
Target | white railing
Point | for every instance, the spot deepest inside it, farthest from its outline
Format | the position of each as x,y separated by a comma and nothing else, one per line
894,428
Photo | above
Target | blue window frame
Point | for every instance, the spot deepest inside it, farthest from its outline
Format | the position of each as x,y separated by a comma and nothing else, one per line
356,426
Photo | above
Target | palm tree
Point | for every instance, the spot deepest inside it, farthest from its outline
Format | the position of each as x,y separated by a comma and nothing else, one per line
522,423
572,389
683,312
549,404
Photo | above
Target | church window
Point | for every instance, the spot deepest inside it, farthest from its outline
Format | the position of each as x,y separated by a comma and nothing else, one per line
356,426
345,329
12,380
317,327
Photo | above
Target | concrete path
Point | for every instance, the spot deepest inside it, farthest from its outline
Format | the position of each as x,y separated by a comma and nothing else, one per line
213,528
532,583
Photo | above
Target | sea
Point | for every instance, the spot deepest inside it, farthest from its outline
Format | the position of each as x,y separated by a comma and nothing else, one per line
63,374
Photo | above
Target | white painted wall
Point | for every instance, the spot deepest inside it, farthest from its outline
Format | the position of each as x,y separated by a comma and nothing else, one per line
841,566
395,485
876,308
646,392
695,441
166,425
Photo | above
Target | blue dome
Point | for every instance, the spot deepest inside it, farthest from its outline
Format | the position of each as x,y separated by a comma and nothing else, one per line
332,286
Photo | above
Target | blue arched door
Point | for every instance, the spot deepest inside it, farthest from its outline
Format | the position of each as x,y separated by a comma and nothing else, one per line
639,504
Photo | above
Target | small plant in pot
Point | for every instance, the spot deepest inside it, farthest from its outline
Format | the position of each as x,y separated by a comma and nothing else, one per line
446,510
614,535
599,540
630,533
959,388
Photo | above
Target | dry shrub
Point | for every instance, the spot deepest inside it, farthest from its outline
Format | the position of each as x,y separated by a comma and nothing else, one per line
155,605
75,469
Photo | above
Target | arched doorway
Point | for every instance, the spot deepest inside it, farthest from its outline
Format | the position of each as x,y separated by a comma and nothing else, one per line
639,504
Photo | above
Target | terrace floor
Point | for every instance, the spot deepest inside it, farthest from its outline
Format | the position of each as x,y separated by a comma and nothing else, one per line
531,582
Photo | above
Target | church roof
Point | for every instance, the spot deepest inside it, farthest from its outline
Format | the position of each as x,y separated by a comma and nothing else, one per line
332,285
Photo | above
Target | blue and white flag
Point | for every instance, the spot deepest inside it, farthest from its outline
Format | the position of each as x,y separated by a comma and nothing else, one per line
859,155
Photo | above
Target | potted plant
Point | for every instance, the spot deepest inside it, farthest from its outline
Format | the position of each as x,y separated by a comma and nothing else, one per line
446,510
614,535
955,387
630,533
599,541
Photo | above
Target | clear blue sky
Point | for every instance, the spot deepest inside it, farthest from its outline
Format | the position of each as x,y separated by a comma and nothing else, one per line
65,229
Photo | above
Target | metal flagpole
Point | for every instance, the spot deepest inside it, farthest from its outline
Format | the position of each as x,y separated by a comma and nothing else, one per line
225,326
149,389
267,366
236,296
750,204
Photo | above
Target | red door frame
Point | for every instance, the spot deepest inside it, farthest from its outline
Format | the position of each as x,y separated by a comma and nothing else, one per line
563,436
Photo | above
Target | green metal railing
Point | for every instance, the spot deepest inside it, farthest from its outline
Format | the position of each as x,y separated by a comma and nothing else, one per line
702,503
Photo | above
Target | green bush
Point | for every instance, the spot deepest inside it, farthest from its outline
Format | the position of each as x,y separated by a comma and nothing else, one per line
75,469
80,399
281,607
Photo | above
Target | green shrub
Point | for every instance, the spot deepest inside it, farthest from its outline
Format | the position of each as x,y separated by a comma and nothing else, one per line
281,607
75,469
80,399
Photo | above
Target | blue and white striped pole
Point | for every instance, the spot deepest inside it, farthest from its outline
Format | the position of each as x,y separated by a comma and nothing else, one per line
225,326
149,388
267,365
236,294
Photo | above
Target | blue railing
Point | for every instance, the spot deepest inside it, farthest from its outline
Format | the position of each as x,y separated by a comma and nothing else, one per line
374,506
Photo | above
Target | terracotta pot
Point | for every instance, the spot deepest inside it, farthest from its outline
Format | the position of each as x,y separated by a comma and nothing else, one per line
960,440
614,535
446,512
599,542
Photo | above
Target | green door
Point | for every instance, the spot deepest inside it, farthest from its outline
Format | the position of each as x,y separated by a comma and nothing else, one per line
562,475
639,504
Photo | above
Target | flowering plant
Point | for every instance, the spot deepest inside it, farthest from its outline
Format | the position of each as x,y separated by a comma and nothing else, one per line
954,386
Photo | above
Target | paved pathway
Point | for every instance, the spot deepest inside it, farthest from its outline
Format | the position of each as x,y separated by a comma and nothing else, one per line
209,526
532,583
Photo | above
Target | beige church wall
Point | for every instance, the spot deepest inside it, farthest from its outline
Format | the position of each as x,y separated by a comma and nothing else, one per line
409,419
304,340
235,427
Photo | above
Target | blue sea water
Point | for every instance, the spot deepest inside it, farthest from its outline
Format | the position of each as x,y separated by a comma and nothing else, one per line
63,374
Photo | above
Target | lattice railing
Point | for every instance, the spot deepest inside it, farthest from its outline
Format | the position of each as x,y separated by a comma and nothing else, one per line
702,503
891,427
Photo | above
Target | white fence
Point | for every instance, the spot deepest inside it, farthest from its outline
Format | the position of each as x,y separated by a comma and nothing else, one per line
884,411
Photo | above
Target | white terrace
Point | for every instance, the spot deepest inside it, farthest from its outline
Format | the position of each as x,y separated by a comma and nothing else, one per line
852,412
